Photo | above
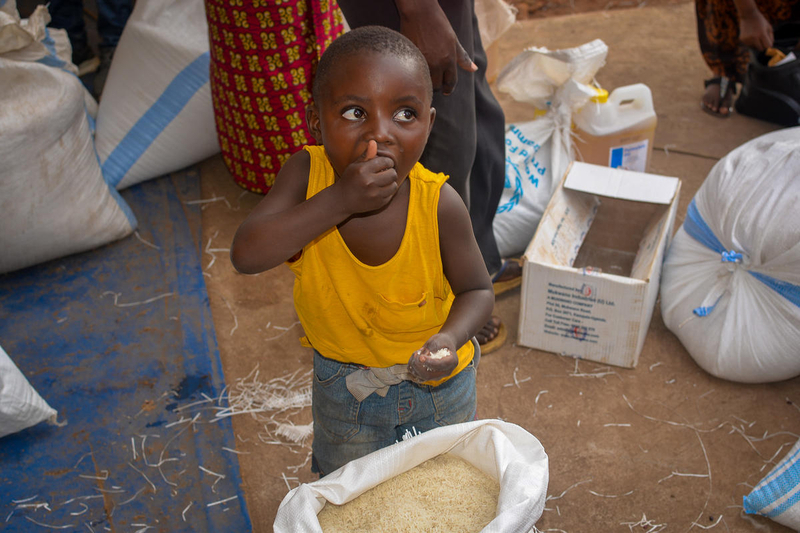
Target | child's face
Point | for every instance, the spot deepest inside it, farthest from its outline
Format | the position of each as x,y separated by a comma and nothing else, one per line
373,97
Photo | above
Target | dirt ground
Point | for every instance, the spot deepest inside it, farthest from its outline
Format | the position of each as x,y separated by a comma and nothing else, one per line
530,9
662,447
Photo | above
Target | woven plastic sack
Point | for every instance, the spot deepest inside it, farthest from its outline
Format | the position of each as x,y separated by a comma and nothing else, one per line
32,40
555,83
155,113
501,450
730,287
20,405
53,199
777,496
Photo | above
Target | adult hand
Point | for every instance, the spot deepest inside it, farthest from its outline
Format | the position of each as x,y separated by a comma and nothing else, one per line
755,31
367,183
425,367
428,28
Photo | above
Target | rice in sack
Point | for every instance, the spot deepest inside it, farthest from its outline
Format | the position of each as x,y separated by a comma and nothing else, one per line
443,494
497,450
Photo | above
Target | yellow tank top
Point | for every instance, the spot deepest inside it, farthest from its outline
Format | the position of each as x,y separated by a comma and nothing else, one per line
375,316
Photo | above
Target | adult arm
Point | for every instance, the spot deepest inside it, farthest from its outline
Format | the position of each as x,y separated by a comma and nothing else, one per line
426,25
466,272
285,221
754,29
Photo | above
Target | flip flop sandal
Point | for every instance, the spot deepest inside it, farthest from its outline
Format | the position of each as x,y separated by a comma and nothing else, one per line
497,342
725,85
506,285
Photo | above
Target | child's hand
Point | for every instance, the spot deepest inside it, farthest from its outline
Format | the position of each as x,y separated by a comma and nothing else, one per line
435,360
368,183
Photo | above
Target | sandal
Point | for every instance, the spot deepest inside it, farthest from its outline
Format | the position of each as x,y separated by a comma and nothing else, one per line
507,284
727,87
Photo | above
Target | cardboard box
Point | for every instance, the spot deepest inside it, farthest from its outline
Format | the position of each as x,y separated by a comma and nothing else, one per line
591,273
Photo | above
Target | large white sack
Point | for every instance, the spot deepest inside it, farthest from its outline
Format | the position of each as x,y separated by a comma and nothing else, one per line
53,199
501,450
20,405
556,83
155,113
730,287
33,41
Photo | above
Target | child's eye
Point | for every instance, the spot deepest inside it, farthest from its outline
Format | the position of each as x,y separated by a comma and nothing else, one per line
405,115
353,113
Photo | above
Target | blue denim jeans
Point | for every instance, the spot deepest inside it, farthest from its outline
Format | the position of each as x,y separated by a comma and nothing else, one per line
346,429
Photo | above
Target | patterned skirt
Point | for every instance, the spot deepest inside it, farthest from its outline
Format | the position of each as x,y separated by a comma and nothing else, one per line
263,57
718,32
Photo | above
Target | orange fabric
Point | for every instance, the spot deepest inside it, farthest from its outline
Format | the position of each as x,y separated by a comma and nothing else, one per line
263,57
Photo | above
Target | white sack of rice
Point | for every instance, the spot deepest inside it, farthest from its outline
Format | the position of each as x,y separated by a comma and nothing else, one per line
444,494
498,450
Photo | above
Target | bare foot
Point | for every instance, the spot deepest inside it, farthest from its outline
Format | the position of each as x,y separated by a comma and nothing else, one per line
711,101
489,331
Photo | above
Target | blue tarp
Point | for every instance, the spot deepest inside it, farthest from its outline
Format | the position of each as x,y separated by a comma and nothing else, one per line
121,342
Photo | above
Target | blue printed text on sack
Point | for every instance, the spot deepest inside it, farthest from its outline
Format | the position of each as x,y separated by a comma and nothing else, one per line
525,155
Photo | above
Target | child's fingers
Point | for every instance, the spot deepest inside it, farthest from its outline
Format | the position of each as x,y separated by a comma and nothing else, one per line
372,150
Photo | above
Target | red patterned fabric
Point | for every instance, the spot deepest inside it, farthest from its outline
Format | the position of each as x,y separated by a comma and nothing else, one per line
263,57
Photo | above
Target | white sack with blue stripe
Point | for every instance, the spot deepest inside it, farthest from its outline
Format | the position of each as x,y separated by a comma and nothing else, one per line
777,496
730,288
155,113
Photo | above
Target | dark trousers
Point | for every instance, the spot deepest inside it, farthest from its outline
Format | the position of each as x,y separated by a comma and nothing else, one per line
468,138
111,18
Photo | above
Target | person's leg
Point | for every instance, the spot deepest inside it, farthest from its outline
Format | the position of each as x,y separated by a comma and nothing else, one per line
112,15
68,15
487,176
344,428
718,36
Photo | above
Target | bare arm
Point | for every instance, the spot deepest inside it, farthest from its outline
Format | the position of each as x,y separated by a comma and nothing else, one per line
284,221
754,29
426,25
471,284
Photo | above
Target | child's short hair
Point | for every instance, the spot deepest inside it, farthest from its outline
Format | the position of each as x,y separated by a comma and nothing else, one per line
372,39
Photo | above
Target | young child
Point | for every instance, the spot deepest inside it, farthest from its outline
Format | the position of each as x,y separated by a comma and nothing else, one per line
390,286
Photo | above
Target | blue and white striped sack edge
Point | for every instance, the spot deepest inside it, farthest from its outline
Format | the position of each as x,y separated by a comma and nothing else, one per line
777,496
156,115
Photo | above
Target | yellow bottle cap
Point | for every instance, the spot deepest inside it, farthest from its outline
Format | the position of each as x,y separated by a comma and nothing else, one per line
601,97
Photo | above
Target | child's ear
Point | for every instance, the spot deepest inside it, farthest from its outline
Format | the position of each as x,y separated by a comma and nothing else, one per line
433,119
312,122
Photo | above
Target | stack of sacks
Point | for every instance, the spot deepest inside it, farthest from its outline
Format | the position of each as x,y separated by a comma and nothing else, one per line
53,198
155,113
730,288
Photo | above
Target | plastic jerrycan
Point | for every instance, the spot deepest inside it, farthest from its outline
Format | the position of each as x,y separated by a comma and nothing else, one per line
616,130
